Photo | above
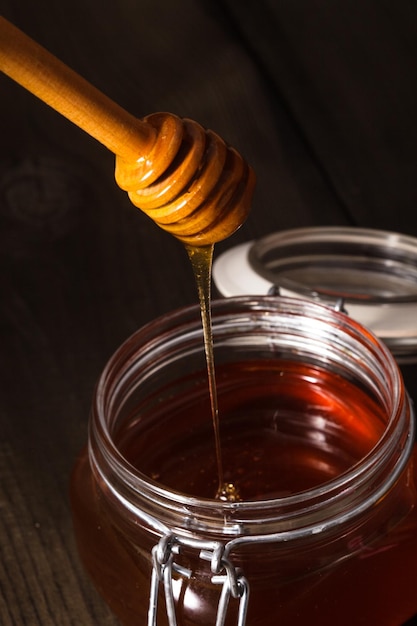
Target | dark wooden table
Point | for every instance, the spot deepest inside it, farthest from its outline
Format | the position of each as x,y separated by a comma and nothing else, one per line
321,98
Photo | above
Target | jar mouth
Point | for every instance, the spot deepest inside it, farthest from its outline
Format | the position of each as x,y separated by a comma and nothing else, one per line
373,273
280,323
356,264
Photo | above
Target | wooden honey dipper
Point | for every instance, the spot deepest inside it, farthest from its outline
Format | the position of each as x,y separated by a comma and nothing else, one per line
184,177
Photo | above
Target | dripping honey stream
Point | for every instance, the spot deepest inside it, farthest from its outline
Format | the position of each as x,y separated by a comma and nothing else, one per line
201,260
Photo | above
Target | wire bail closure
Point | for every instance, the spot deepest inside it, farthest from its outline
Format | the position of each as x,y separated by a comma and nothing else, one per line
337,304
232,579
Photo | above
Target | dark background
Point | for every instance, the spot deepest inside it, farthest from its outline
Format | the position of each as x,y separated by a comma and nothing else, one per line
321,98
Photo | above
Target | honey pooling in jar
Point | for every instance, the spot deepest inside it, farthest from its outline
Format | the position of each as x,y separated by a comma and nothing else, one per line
285,428
228,492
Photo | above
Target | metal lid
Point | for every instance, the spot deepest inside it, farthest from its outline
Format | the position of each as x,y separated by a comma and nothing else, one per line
370,274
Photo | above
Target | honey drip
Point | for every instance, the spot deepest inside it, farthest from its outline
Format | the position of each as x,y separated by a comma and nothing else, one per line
201,258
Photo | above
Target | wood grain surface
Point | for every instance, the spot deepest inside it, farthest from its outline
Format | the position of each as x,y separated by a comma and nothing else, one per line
321,98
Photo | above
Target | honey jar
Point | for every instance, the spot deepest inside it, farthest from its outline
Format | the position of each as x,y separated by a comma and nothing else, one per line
317,434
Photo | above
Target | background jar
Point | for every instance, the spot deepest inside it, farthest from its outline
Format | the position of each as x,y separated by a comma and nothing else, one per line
326,531
370,274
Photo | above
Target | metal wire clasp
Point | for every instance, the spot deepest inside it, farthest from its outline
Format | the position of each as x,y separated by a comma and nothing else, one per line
234,584
224,573
337,304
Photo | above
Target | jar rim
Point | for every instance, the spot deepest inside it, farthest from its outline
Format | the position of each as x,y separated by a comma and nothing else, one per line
275,254
103,449
374,273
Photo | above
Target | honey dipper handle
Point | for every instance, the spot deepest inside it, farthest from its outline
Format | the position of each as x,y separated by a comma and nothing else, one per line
41,73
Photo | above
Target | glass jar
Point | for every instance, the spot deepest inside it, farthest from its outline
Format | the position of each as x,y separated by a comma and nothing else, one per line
317,434
371,273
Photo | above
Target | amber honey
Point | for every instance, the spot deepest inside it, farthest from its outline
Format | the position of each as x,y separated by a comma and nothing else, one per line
285,427
316,435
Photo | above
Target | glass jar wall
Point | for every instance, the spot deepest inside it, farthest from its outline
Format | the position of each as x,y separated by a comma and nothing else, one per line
316,434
